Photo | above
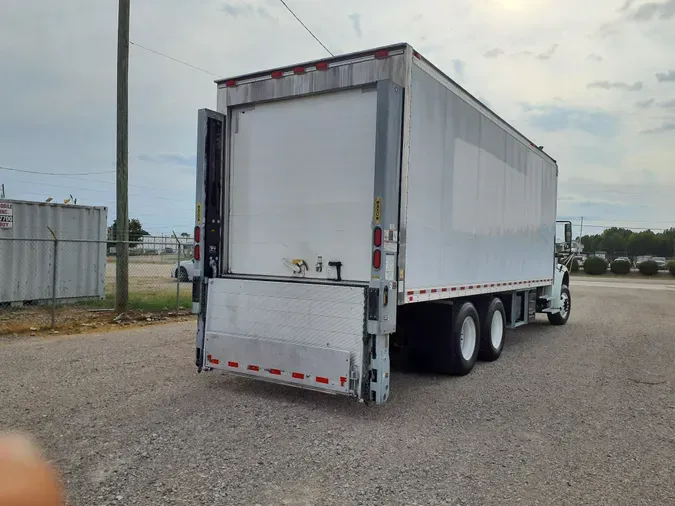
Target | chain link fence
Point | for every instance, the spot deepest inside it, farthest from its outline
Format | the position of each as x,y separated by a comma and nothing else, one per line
62,284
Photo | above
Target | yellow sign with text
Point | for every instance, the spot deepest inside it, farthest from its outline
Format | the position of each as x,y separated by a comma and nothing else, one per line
377,211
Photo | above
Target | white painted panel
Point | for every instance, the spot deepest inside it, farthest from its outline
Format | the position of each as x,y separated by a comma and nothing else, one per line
302,179
481,204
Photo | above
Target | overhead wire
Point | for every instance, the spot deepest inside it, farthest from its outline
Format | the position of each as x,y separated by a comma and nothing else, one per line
306,28
173,59
12,169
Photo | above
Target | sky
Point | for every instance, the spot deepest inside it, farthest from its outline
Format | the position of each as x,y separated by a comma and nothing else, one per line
593,82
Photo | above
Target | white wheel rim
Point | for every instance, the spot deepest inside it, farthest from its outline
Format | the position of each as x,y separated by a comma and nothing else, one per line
467,338
497,329
564,304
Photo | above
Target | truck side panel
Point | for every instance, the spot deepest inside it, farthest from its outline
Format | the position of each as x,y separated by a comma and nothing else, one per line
481,203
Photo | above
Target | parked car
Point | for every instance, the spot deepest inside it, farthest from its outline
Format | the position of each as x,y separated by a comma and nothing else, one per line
623,259
661,262
184,271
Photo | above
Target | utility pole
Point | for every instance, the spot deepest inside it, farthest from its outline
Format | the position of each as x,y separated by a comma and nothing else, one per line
2,191
122,215
581,231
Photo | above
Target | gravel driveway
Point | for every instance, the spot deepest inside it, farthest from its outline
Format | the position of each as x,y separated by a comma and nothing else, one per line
582,414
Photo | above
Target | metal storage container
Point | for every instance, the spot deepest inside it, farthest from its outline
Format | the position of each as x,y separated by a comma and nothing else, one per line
28,251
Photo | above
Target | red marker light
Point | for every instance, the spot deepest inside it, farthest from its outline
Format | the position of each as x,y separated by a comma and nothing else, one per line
322,66
377,237
230,83
381,54
377,259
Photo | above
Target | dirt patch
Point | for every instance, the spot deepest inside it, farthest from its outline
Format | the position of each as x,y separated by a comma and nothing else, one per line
78,320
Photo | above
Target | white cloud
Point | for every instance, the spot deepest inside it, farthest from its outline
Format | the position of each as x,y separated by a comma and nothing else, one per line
57,93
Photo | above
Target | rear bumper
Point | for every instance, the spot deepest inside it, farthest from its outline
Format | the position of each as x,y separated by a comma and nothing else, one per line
296,364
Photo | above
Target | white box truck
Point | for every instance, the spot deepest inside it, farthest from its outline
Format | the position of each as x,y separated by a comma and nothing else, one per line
347,204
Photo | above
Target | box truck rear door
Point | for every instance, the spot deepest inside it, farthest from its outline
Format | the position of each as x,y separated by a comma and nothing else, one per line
301,186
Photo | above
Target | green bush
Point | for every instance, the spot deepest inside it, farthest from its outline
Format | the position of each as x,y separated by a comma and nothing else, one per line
649,268
595,266
671,267
620,267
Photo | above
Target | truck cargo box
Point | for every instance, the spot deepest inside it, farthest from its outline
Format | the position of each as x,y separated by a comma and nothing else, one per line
337,196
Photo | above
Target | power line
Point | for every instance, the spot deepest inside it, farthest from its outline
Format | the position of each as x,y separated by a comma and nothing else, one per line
305,27
174,59
151,188
98,190
56,173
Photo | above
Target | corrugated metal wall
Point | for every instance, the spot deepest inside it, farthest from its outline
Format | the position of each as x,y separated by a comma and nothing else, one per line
27,252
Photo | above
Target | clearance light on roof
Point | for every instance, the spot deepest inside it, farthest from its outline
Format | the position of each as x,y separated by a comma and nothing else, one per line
299,70
381,54
322,66
230,83
417,55
277,74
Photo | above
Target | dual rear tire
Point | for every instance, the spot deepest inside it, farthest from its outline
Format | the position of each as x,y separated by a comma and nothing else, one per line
455,341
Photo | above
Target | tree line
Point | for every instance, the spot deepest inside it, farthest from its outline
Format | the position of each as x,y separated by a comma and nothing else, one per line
622,241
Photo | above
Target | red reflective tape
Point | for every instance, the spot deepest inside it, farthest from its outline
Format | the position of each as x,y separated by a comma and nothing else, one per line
233,364
410,299
298,375
212,360
319,379
343,380
253,368
275,371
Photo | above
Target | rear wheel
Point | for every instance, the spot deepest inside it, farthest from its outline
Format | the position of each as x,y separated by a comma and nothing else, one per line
182,274
565,308
463,342
493,318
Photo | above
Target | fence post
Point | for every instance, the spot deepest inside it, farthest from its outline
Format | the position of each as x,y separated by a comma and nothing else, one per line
177,272
54,276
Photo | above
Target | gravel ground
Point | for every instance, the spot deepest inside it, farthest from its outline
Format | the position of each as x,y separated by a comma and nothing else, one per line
582,414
